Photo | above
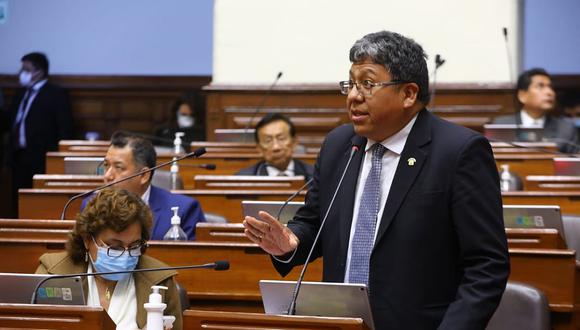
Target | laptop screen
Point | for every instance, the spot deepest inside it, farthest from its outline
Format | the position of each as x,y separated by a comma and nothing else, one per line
512,132
318,299
533,216
18,289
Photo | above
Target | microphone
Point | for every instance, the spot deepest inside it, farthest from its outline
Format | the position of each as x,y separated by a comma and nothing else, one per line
262,101
218,265
292,307
209,166
292,197
196,154
508,53
439,61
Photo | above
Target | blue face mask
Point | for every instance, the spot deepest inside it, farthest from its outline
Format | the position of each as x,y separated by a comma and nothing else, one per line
105,263
577,122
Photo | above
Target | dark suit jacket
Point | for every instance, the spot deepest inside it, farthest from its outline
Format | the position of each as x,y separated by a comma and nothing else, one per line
48,121
554,128
300,168
440,258
160,202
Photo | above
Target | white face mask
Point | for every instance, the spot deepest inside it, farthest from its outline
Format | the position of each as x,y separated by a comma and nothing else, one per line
25,78
184,121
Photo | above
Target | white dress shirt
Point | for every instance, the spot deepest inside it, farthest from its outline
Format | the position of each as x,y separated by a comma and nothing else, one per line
394,144
528,121
273,171
146,195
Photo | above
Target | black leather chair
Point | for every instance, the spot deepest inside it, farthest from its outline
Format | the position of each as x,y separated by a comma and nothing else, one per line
521,307
183,298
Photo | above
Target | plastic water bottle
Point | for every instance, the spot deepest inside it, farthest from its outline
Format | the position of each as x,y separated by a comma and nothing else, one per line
155,308
175,233
178,143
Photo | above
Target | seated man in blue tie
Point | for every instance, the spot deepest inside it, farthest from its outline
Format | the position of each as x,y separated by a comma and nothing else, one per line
130,154
275,137
417,216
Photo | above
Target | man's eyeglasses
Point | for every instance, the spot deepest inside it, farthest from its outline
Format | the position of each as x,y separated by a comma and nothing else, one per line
117,251
365,87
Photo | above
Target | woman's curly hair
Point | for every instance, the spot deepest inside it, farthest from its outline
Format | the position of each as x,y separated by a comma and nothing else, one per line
113,209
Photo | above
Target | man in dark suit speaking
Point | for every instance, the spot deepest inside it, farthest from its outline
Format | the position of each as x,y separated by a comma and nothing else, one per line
418,217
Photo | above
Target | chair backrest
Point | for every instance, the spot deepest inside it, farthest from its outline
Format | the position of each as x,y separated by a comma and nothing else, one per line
521,307
162,179
183,298
572,233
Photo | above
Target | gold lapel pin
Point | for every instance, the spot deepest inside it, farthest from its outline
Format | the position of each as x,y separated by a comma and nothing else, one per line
411,161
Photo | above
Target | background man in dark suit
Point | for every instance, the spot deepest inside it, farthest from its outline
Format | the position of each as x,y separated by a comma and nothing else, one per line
39,117
129,154
418,217
275,137
538,99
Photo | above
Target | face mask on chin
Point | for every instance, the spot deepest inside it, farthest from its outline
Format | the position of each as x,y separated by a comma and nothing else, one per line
25,78
184,121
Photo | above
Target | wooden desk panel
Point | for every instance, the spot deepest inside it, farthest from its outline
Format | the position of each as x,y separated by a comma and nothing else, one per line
524,165
226,163
248,265
48,203
552,183
44,317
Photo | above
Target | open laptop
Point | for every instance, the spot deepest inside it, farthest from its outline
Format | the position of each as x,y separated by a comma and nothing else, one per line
234,135
513,132
18,289
533,216
83,165
252,208
566,166
318,299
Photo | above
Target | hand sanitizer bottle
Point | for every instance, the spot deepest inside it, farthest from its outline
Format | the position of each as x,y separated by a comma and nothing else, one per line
175,233
155,308
174,172
177,143
506,178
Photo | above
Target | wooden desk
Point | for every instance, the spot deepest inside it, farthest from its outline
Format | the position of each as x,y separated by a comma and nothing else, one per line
246,182
226,163
48,203
527,164
552,183
44,317
84,145
194,319
66,181
569,201
235,289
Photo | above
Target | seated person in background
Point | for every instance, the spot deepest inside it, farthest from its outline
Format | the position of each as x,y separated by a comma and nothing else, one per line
538,99
275,137
111,234
182,119
130,154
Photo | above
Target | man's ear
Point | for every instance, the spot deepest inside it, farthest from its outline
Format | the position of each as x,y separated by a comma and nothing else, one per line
522,96
410,92
145,177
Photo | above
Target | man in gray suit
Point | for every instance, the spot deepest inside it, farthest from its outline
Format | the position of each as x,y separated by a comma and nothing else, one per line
538,98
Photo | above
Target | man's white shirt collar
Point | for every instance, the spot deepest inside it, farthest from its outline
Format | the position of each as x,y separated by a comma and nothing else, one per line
146,195
395,142
527,120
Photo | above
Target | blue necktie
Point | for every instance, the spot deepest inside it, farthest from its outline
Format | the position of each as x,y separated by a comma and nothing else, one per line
364,233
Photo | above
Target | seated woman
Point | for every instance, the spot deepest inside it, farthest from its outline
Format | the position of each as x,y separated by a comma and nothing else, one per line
182,118
111,235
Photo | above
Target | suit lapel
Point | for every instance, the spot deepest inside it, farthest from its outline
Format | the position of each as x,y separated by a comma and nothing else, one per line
347,193
406,174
